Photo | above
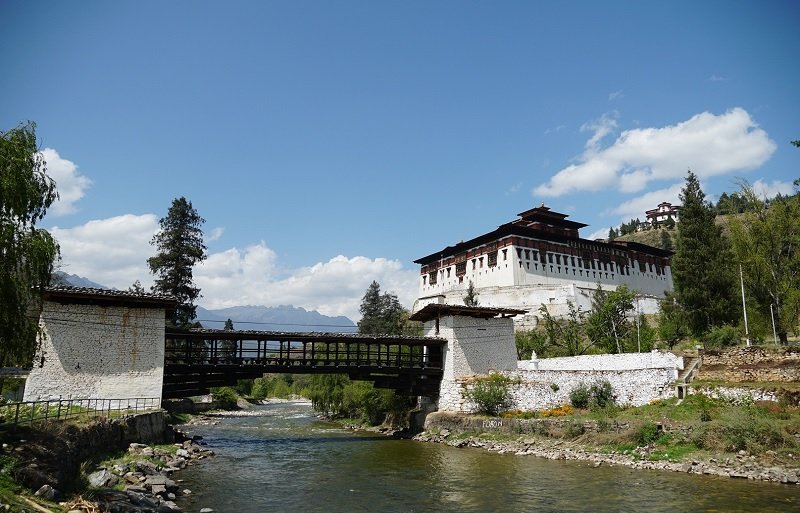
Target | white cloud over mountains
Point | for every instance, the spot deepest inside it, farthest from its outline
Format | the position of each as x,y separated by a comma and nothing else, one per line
708,144
114,252
71,186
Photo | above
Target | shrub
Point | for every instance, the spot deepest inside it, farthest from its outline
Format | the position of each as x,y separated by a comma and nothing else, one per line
601,394
598,395
491,394
751,433
647,433
575,428
579,397
226,398
720,337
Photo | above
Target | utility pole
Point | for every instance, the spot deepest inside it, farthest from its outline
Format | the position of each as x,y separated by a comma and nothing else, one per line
744,308
772,316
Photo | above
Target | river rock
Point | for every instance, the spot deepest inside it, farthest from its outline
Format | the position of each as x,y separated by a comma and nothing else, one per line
47,492
102,478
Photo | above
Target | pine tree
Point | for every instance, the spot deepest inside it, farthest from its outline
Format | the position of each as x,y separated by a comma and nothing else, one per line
381,314
180,246
666,240
27,253
702,269
471,299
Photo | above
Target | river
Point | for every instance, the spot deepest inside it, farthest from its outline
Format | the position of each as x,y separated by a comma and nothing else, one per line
286,460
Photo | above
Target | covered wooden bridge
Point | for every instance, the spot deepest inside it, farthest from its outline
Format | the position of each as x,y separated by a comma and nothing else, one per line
198,359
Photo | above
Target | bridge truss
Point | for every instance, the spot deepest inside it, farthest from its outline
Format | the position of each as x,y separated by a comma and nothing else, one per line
199,359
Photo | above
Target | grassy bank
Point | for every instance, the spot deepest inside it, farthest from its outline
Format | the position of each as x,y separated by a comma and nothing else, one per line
758,434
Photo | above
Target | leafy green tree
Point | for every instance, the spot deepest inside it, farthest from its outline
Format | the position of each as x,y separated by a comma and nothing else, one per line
666,240
529,342
136,288
672,326
702,269
180,246
766,241
381,314
608,325
471,299
566,336
27,253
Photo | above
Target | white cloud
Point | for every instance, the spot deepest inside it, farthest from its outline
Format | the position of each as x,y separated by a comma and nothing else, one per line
215,234
708,144
716,78
616,95
554,130
601,127
602,233
766,190
69,183
636,207
237,277
114,252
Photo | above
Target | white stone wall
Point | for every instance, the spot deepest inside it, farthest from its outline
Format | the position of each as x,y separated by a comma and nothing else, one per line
636,378
92,351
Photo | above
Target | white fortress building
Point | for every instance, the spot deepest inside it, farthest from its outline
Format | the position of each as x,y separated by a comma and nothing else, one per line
540,259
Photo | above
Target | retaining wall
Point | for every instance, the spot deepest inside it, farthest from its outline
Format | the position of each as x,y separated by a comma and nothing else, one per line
637,379
752,364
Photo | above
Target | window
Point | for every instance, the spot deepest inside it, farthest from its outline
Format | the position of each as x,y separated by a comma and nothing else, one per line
558,259
505,255
527,254
573,261
461,269
480,260
491,259
550,258
448,272
519,253
432,278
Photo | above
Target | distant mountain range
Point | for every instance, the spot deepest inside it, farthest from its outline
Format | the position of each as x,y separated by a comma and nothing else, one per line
275,318
62,278
261,318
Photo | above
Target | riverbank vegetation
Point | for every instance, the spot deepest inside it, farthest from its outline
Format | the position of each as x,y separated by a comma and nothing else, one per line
747,437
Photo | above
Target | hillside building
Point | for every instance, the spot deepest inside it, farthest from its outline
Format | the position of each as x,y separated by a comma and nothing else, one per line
662,213
540,259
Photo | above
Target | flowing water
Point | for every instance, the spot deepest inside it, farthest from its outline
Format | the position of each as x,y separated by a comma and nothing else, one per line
285,460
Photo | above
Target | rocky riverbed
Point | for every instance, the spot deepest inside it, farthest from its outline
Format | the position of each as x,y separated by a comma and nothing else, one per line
148,483
741,465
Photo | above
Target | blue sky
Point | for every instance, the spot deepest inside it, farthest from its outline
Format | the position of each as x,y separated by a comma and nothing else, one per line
328,144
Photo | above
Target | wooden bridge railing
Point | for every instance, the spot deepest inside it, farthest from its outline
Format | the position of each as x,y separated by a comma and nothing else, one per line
199,359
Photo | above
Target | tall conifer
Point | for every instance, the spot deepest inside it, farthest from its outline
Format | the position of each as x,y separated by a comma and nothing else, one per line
180,247
702,268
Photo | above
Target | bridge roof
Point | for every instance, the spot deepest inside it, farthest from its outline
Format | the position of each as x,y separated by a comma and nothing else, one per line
294,336
107,297
434,310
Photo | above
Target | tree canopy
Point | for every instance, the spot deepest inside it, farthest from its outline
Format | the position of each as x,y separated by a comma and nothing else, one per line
180,246
27,253
381,314
471,298
766,241
702,268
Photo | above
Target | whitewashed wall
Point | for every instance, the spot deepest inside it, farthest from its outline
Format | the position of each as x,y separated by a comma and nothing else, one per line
92,351
637,378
